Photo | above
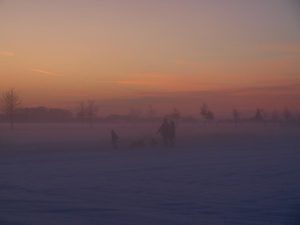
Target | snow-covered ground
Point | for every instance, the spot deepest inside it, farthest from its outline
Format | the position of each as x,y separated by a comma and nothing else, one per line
60,174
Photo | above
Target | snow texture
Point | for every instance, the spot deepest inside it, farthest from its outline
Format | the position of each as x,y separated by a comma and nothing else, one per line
60,174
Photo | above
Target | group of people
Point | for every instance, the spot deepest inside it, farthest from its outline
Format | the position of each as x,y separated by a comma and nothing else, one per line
167,131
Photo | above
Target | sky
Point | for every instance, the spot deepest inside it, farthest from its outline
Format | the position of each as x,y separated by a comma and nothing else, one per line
166,53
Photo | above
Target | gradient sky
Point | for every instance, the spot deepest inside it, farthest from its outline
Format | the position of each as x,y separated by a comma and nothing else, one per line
229,53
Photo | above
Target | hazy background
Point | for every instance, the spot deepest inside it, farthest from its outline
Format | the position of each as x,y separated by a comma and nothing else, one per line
233,53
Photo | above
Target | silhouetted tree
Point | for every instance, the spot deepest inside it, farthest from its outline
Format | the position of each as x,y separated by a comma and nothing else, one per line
236,116
87,112
151,113
275,116
207,114
259,115
175,115
287,115
10,103
81,115
91,111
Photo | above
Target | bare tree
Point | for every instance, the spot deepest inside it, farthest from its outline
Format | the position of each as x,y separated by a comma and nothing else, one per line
287,115
175,115
10,102
87,112
236,116
151,113
259,115
91,111
207,114
81,115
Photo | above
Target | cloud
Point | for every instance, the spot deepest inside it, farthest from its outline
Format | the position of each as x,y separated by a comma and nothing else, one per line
268,89
135,82
7,54
45,72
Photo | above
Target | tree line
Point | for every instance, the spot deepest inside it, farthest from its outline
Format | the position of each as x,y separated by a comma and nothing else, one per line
87,113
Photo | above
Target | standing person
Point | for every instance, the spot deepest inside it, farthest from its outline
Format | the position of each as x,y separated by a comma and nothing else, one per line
164,132
114,139
172,132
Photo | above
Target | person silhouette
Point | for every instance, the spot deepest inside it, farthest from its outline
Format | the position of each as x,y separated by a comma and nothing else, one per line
114,139
164,131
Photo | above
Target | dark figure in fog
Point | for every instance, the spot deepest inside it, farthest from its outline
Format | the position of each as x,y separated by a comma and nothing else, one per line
172,133
114,139
164,131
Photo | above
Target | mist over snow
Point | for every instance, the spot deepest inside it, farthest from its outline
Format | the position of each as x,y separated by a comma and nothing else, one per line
216,174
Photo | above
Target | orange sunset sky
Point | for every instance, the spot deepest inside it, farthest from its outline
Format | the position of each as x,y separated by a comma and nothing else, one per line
165,53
